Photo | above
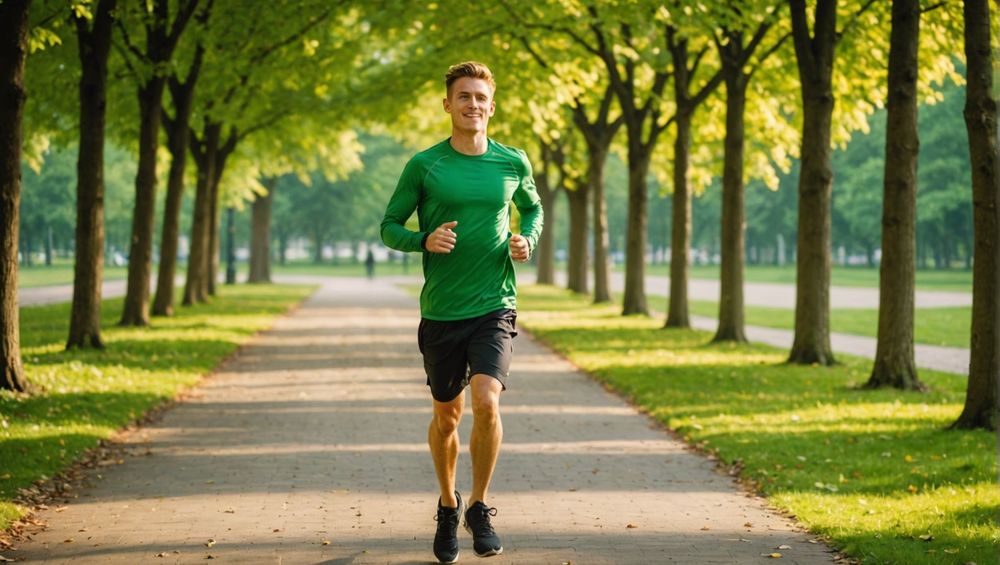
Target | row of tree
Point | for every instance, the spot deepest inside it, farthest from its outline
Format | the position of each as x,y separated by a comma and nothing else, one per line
670,86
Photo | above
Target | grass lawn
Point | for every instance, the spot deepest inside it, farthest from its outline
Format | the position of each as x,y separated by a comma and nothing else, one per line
60,273
874,471
933,326
952,280
85,396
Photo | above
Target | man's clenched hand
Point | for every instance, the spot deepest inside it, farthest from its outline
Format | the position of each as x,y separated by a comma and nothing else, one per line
442,240
519,250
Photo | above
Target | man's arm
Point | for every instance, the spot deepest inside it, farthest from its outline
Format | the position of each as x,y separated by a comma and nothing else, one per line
529,205
401,206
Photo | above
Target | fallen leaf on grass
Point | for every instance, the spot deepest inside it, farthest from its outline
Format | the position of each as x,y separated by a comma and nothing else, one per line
631,526
68,540
926,537
5,559
161,554
705,528
748,525
774,555
783,547
325,542
210,543
209,556
950,550
61,508
229,511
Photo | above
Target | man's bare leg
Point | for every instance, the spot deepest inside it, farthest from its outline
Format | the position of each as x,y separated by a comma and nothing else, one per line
487,433
442,436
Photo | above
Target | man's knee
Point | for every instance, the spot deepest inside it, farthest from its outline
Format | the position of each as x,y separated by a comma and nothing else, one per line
486,398
447,416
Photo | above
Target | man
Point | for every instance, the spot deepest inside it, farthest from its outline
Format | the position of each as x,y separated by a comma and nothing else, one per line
461,189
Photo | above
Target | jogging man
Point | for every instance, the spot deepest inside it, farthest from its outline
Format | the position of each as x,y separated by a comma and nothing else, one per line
461,189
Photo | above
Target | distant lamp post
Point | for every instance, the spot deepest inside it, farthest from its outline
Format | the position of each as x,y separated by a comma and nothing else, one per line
231,246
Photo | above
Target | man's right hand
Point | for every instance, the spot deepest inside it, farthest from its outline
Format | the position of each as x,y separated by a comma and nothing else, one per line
441,240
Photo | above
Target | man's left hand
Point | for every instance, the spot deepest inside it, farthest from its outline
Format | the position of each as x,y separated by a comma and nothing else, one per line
519,250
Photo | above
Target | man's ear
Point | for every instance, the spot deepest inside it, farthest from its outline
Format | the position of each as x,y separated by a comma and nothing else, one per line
447,105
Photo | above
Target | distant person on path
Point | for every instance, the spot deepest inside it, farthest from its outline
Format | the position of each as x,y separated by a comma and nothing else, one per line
461,189
370,264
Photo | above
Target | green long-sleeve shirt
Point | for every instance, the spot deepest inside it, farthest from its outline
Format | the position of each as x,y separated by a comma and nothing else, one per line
443,185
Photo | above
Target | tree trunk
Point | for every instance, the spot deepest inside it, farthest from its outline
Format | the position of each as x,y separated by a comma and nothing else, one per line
546,255
981,408
731,280
815,58
213,234
13,50
197,269
318,249
680,236
597,156
576,275
136,308
94,47
260,235
894,360
178,140
634,301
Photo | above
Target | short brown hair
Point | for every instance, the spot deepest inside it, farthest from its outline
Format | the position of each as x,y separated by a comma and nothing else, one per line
470,69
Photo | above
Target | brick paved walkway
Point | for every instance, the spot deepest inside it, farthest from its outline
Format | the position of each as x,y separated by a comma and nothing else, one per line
309,447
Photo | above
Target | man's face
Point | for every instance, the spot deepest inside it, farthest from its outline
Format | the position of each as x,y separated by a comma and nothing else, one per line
470,104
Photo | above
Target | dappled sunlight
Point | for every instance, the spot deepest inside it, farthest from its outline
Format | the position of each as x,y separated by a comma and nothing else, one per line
808,437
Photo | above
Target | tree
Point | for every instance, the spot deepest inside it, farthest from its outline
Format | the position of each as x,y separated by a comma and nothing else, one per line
894,360
260,241
13,50
549,186
178,143
685,67
161,36
94,46
981,409
738,43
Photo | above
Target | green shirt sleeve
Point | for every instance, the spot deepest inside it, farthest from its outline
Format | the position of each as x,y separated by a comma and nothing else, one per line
401,206
529,204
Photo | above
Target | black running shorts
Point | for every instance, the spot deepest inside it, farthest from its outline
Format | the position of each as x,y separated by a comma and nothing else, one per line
455,350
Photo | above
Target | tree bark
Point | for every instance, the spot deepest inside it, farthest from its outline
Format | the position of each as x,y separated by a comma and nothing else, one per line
577,262
213,231
161,40
894,360
981,409
680,226
260,235
546,254
136,308
13,50
684,69
597,156
204,153
815,58
634,301
94,48
731,324
178,141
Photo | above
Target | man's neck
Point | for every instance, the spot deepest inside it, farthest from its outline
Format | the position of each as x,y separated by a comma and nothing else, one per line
469,143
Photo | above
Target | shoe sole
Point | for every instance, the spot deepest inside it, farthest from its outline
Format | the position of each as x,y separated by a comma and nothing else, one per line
489,553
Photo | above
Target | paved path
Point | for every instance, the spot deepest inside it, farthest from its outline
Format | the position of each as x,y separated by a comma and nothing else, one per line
315,433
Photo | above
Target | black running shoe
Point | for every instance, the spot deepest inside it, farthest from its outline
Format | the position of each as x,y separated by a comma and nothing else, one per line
485,541
446,538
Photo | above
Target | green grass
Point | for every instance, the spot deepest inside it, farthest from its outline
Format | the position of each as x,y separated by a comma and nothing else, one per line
933,326
85,396
951,280
874,471
60,272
